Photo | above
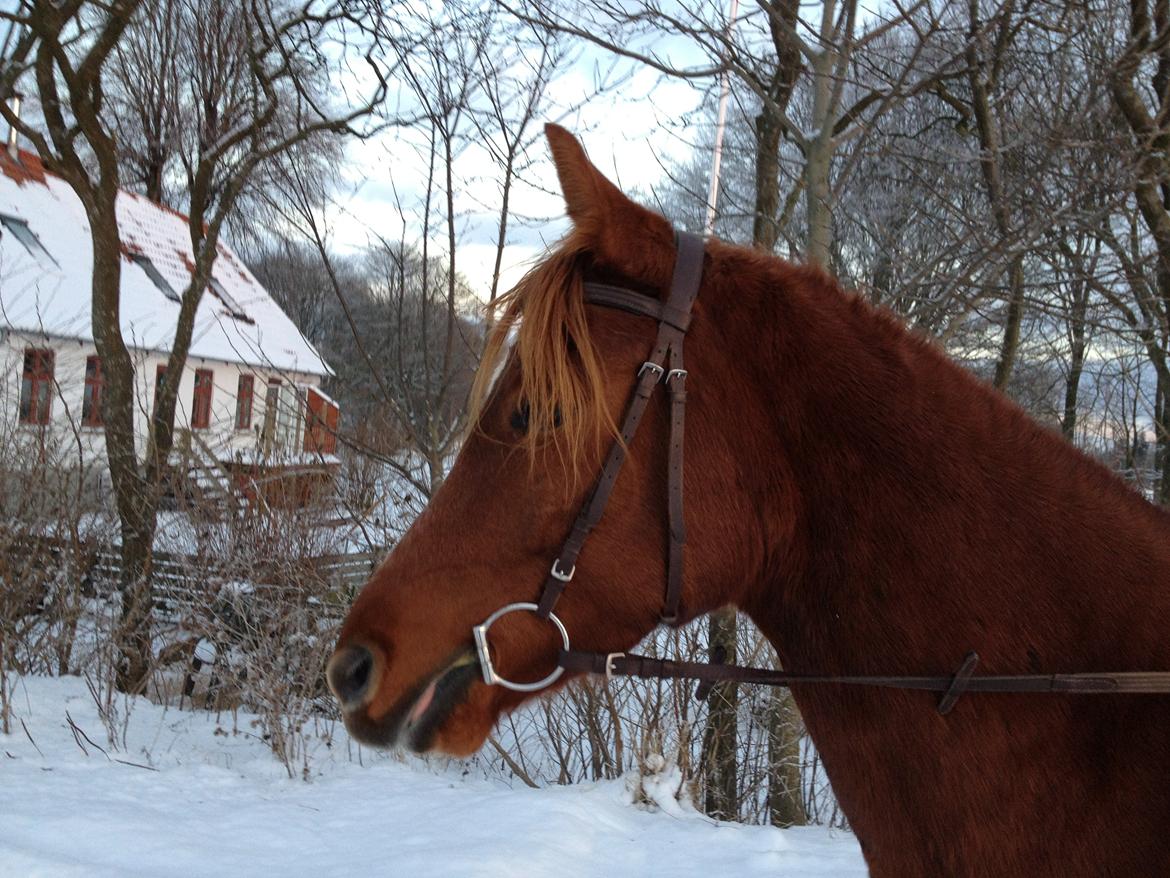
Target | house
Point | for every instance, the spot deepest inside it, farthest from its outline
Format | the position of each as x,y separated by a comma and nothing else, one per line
249,399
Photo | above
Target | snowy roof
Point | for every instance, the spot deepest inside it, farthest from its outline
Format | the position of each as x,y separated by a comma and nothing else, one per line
45,277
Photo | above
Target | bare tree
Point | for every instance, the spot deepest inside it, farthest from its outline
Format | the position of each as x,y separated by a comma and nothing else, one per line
514,88
274,58
412,334
1140,87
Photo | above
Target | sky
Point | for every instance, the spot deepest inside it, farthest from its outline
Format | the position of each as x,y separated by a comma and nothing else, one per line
629,132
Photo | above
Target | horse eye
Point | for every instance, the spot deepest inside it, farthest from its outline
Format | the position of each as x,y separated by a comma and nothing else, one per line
519,419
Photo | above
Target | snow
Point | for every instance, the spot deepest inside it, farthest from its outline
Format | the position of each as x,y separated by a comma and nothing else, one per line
54,299
201,794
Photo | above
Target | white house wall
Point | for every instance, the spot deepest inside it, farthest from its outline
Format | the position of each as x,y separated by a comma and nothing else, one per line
66,431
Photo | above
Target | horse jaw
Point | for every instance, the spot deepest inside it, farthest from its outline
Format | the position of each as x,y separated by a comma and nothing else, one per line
469,724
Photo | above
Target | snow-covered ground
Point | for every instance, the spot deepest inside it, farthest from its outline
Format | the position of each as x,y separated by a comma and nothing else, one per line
204,796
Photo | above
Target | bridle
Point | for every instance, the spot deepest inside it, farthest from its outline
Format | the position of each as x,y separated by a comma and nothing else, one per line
664,365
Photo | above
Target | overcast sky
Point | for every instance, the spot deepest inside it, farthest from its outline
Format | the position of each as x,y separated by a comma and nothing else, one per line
629,132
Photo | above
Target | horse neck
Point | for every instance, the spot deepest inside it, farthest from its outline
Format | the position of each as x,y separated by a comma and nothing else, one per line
927,515
918,515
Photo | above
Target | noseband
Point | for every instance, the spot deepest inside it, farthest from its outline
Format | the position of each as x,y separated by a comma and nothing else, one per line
665,366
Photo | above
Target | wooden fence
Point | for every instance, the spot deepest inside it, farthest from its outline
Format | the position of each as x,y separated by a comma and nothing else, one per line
180,580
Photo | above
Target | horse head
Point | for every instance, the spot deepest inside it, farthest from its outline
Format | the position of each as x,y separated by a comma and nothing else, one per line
556,377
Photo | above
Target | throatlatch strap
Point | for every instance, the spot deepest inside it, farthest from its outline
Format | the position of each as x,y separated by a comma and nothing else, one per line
673,319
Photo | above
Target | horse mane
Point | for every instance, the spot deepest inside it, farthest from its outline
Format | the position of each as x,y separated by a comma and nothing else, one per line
562,379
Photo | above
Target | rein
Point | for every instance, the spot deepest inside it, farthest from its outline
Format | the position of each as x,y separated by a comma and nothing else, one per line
632,665
664,365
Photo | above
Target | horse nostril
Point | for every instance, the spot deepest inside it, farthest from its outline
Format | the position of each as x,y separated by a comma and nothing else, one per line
351,675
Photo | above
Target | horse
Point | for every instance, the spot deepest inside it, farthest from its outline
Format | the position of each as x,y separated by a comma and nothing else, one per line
873,507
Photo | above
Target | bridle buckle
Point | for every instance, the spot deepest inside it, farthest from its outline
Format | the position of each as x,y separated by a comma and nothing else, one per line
651,367
609,660
558,574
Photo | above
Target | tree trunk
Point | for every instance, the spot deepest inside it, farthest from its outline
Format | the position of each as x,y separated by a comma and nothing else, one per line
818,202
818,165
1162,444
720,770
983,62
1076,365
1012,322
785,775
765,231
435,471
135,627
785,804
135,501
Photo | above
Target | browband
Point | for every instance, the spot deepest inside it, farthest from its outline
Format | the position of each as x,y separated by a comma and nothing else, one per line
637,303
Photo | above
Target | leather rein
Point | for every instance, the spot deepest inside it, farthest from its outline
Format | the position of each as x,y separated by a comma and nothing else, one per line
665,366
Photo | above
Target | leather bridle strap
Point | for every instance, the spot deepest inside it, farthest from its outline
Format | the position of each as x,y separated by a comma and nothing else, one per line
636,303
631,665
665,364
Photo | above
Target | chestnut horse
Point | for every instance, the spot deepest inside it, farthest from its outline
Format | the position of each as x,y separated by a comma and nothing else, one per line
874,508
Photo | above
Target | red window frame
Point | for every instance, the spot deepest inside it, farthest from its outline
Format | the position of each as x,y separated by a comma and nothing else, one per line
95,386
321,416
36,387
245,392
201,399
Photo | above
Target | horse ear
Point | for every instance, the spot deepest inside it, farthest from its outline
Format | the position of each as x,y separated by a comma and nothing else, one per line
619,232
581,183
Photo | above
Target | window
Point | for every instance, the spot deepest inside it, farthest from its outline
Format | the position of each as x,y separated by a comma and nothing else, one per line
271,403
233,307
95,385
201,400
152,272
36,388
20,230
244,392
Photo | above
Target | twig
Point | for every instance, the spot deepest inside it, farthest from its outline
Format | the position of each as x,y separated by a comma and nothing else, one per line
28,735
516,769
136,764
76,738
77,730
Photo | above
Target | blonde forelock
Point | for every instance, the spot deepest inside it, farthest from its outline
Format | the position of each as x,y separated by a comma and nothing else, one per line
562,381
